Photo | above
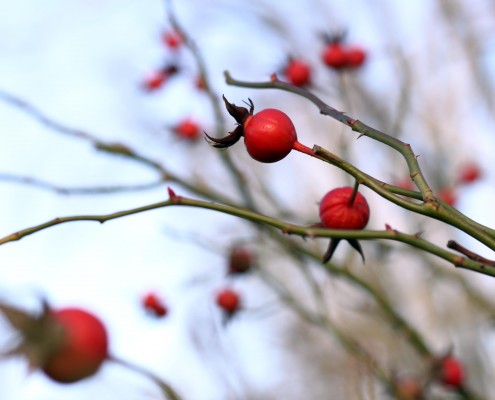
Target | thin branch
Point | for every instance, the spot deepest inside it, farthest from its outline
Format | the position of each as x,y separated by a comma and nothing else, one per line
45,185
312,232
117,149
452,244
164,386
239,177
431,206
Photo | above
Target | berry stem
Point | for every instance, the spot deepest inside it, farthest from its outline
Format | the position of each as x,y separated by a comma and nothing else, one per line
164,386
354,193
298,146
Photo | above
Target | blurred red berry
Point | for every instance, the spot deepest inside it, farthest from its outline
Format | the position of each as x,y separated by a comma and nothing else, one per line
200,83
469,173
298,72
334,55
448,196
155,80
83,348
229,301
451,372
172,39
405,183
409,389
187,129
240,260
355,57
154,305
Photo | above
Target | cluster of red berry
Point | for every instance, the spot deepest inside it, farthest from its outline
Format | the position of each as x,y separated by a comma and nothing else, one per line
447,371
188,128
336,55
70,344
240,262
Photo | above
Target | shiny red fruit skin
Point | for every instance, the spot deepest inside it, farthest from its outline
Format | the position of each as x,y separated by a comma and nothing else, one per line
188,129
298,73
84,347
269,135
228,300
355,57
451,372
334,56
337,213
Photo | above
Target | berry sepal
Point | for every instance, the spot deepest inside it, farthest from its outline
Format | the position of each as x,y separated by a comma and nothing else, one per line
334,242
240,114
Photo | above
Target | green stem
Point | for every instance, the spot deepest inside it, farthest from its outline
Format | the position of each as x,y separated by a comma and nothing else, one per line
313,232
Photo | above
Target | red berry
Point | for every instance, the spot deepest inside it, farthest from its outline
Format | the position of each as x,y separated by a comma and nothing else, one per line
154,305
298,72
334,55
405,183
408,389
240,260
188,129
355,57
155,80
83,348
269,135
451,372
200,83
448,196
229,301
336,212
469,173
172,39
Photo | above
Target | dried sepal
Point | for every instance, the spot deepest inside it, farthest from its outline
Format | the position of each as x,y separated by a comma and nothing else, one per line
333,245
38,335
334,242
227,141
240,114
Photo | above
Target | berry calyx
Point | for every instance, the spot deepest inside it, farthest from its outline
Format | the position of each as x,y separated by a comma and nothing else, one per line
154,305
298,72
344,208
451,372
269,135
240,261
229,301
187,129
